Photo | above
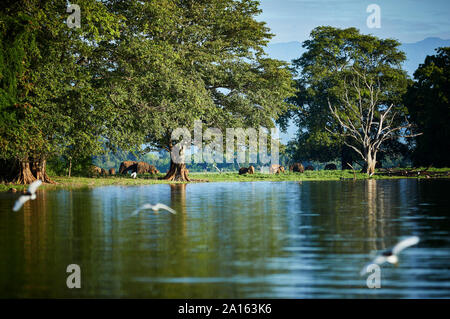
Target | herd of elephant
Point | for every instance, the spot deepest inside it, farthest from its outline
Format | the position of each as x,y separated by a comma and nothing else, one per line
277,169
143,167
125,167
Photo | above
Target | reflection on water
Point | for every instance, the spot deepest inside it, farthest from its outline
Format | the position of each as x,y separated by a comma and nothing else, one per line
228,240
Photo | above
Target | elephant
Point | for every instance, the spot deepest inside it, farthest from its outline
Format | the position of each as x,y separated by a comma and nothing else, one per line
297,167
331,167
138,167
96,171
154,170
143,167
112,171
126,166
276,169
243,170
273,168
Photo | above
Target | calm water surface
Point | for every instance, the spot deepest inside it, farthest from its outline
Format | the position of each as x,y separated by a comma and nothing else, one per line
228,240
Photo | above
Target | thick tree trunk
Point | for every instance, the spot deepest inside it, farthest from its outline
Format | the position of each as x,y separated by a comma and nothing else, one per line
39,170
371,162
24,174
177,172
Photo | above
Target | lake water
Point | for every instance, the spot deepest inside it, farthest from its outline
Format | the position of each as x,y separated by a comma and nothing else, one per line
228,240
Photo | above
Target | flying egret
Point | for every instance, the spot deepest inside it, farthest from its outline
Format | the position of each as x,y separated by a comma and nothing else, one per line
391,255
30,194
155,208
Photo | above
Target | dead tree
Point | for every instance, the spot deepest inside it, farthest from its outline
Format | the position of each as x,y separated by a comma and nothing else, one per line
366,119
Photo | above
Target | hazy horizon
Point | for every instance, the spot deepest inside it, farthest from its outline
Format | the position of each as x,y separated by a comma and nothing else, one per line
408,21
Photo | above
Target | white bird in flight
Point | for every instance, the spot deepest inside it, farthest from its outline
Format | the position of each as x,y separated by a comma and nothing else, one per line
154,208
391,255
30,194
133,175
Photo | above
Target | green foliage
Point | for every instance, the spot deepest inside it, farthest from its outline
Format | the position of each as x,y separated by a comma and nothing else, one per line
184,61
429,107
333,58
130,75
17,49
50,104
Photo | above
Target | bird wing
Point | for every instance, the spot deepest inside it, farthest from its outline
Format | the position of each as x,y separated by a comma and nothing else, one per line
165,207
33,186
145,206
410,241
20,201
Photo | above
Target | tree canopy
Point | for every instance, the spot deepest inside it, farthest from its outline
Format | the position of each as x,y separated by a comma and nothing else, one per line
181,61
428,103
132,73
343,67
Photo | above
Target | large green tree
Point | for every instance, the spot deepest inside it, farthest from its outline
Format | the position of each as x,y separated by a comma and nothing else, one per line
17,50
132,73
50,93
351,72
428,101
181,61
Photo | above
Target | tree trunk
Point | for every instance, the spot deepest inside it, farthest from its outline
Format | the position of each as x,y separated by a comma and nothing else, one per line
177,172
24,175
39,170
70,168
371,162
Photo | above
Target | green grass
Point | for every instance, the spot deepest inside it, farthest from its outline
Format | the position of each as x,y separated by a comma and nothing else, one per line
75,182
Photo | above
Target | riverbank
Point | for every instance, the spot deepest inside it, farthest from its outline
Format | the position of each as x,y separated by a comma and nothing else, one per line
73,182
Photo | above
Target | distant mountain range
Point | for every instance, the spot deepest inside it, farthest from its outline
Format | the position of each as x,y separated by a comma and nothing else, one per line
415,52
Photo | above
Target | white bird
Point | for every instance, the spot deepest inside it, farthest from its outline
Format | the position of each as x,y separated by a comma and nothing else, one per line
154,208
391,255
133,175
30,194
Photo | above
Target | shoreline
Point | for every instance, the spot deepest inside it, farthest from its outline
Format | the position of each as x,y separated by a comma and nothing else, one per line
337,175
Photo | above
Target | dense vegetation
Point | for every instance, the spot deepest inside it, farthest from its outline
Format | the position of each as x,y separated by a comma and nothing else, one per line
116,88
350,101
428,101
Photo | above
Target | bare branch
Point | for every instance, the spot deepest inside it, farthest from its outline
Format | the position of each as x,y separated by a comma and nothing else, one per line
356,149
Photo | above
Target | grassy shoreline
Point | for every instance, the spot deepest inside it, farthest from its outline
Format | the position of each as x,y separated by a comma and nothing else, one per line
75,182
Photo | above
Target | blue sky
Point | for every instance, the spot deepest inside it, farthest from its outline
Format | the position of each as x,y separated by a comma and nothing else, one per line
405,20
